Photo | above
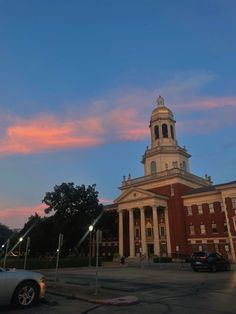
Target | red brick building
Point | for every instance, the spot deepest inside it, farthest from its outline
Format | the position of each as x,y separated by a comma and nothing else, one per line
170,210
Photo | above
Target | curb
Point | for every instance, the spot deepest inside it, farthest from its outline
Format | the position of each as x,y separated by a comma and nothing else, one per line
120,301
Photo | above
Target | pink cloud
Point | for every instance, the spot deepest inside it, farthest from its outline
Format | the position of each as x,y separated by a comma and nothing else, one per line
47,133
105,201
120,117
207,104
16,217
44,133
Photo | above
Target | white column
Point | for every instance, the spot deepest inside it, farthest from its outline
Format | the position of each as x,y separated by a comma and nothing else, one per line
167,231
121,234
143,231
155,231
131,232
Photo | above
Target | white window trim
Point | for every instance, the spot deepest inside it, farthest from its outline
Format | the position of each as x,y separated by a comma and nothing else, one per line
211,208
233,200
202,228
190,211
234,221
200,210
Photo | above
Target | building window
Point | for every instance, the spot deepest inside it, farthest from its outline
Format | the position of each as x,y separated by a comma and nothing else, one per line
199,208
156,132
149,232
194,247
172,132
222,206
136,232
191,230
227,248
233,202
164,130
153,167
162,231
189,209
211,208
213,227
204,247
202,229
216,247
225,227
184,165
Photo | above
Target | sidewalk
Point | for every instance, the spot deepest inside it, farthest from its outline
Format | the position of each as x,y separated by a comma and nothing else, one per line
89,294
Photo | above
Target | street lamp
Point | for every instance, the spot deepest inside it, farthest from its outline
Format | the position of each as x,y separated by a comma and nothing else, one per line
20,240
90,240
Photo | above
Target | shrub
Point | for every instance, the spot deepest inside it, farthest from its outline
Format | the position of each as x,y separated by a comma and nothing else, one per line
162,259
44,263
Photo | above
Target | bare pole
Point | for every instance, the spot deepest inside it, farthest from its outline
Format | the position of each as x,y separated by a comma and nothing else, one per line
5,256
26,251
60,241
98,236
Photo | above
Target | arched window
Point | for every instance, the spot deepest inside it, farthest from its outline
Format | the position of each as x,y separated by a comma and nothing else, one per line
172,132
164,130
153,167
156,131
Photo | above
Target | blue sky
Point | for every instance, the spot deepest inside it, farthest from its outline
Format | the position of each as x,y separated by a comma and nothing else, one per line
78,82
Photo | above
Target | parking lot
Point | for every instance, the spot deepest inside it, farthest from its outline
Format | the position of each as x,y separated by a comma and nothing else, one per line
165,288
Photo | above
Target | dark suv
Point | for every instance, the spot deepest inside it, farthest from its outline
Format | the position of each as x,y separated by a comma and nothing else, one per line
209,261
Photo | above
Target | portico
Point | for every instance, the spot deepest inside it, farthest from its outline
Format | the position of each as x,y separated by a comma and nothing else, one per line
143,218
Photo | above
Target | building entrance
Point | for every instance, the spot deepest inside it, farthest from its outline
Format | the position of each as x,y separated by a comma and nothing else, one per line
150,249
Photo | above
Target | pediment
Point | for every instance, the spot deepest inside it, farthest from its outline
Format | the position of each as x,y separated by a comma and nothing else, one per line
134,194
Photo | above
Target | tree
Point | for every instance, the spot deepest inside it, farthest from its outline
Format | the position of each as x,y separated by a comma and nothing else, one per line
75,208
5,233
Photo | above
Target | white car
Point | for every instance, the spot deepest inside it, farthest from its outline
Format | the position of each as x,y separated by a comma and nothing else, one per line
21,288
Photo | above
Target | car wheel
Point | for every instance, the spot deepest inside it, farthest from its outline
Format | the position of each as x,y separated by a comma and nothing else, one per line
213,268
26,294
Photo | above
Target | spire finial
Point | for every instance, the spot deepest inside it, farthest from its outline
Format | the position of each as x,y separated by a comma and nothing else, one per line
160,101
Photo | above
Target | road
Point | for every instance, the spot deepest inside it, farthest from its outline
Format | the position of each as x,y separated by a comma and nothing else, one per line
165,290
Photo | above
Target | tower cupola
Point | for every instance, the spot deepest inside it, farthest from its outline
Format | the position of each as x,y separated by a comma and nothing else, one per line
162,125
164,154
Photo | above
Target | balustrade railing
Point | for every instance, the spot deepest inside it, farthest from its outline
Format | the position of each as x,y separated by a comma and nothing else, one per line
165,174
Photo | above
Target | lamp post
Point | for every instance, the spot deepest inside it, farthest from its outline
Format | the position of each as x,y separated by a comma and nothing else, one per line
26,251
90,242
20,240
6,250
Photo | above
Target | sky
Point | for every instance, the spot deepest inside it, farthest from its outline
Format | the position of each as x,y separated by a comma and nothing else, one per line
79,80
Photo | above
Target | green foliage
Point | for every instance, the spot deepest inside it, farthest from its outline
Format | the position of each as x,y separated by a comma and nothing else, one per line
73,209
69,201
48,262
109,225
161,259
5,233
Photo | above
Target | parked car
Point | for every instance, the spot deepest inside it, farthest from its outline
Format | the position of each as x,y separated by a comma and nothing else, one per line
210,261
21,288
